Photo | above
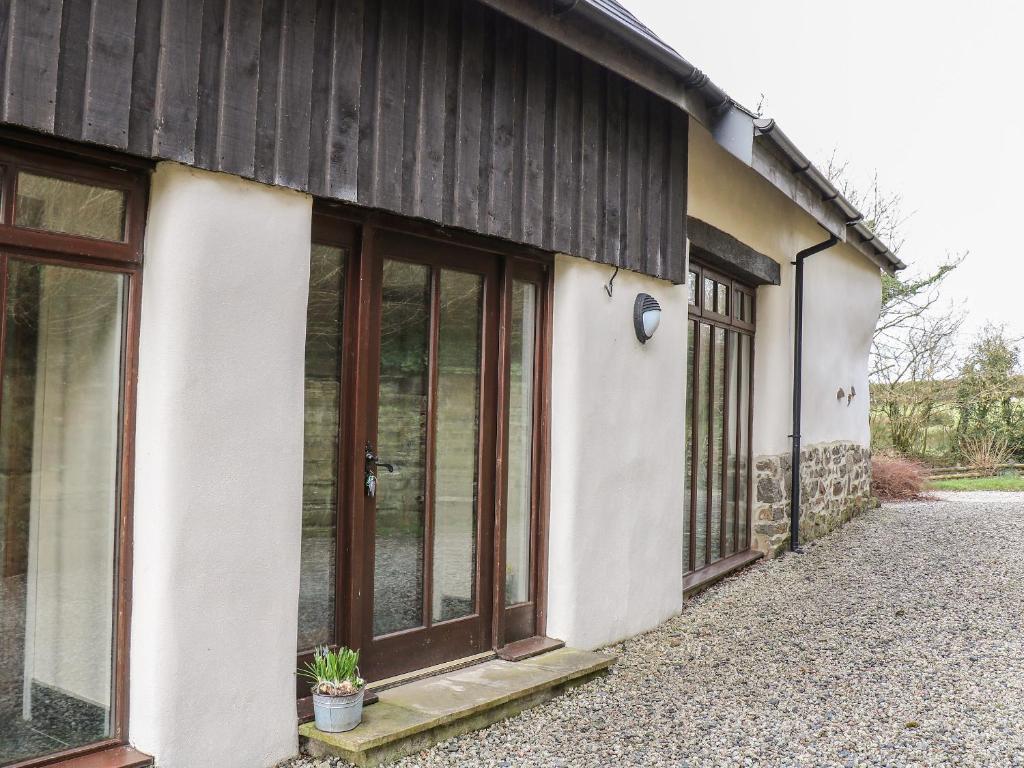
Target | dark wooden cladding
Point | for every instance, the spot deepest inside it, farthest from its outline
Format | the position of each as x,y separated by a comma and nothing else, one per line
443,110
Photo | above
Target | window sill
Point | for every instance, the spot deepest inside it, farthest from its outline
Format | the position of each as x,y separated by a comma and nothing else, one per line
700,580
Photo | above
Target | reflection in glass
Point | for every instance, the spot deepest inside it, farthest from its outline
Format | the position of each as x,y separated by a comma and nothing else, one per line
59,446
703,417
709,293
743,395
520,443
730,450
718,444
691,284
401,440
456,440
687,466
58,205
721,299
320,455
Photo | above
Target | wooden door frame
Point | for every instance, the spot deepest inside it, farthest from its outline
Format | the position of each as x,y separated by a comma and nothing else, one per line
365,228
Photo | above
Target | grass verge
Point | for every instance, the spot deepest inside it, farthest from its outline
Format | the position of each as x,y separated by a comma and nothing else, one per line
997,483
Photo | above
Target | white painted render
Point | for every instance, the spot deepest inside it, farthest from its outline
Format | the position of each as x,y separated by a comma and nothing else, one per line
617,443
842,291
219,471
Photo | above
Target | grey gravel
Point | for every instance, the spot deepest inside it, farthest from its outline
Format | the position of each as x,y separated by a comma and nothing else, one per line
895,641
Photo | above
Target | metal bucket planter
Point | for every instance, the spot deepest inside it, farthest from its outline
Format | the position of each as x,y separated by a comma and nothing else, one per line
337,714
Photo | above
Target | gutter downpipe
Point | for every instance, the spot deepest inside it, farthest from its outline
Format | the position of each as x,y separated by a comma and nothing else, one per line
798,348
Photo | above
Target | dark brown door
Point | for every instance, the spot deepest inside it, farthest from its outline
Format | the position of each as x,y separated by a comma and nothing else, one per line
426,582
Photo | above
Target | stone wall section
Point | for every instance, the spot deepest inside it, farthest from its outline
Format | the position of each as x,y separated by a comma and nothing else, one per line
836,487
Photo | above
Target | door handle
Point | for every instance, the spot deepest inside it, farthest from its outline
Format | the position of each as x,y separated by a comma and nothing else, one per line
373,461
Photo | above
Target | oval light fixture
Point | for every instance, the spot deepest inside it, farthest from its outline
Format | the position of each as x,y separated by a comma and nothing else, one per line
646,316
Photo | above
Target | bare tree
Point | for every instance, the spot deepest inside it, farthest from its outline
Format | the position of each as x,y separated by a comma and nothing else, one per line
914,346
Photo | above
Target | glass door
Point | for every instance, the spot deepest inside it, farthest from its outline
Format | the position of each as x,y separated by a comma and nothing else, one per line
428,460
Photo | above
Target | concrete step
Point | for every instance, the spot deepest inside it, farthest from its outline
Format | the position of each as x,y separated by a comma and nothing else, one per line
414,716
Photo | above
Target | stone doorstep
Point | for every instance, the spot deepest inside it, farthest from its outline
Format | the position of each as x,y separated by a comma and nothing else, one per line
417,715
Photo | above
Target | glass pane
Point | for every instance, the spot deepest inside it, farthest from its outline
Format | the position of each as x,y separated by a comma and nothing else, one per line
59,444
703,417
455,445
717,441
709,293
730,449
691,283
743,408
58,205
320,456
688,466
401,440
721,299
520,443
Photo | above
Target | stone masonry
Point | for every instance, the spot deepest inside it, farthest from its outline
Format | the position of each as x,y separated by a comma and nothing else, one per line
836,487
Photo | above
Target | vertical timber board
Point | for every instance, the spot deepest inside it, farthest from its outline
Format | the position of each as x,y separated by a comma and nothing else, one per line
614,153
533,127
343,98
109,80
413,104
211,70
321,108
654,229
292,145
389,110
177,83
367,174
466,208
675,203
636,177
72,67
145,65
431,117
506,66
591,177
236,129
268,92
566,152
30,88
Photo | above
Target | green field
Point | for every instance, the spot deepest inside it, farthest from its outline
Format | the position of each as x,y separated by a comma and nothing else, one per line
997,483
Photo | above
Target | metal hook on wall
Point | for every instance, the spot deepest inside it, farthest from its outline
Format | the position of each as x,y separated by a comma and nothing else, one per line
611,287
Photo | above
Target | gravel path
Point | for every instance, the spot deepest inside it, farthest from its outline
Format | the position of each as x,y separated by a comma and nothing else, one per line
894,642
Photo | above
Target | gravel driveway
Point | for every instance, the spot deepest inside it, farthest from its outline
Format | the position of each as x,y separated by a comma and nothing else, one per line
894,642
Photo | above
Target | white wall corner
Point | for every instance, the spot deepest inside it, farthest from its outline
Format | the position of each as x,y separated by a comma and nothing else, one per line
618,427
218,486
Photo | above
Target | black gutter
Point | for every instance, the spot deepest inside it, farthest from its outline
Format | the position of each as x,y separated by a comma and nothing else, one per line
798,353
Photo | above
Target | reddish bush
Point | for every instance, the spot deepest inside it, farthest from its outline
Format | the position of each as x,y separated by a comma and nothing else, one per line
896,479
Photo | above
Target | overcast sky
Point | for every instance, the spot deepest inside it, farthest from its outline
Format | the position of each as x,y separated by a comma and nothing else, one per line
926,94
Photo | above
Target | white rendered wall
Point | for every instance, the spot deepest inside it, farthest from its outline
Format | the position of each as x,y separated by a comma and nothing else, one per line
219,471
841,301
617,451
842,297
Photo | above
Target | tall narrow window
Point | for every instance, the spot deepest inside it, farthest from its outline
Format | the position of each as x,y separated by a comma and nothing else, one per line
716,513
324,344
520,443
64,407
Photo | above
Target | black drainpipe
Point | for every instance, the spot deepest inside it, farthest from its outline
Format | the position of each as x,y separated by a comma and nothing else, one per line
798,351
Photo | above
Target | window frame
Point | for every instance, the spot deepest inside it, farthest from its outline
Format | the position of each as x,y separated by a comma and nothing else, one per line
51,159
735,328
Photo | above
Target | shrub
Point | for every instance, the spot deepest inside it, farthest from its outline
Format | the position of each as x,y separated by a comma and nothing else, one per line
896,479
984,452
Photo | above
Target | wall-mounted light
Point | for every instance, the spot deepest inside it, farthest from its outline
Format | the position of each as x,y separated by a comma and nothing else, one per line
646,316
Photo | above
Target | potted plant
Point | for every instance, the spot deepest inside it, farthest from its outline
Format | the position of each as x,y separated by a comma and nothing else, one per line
337,688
